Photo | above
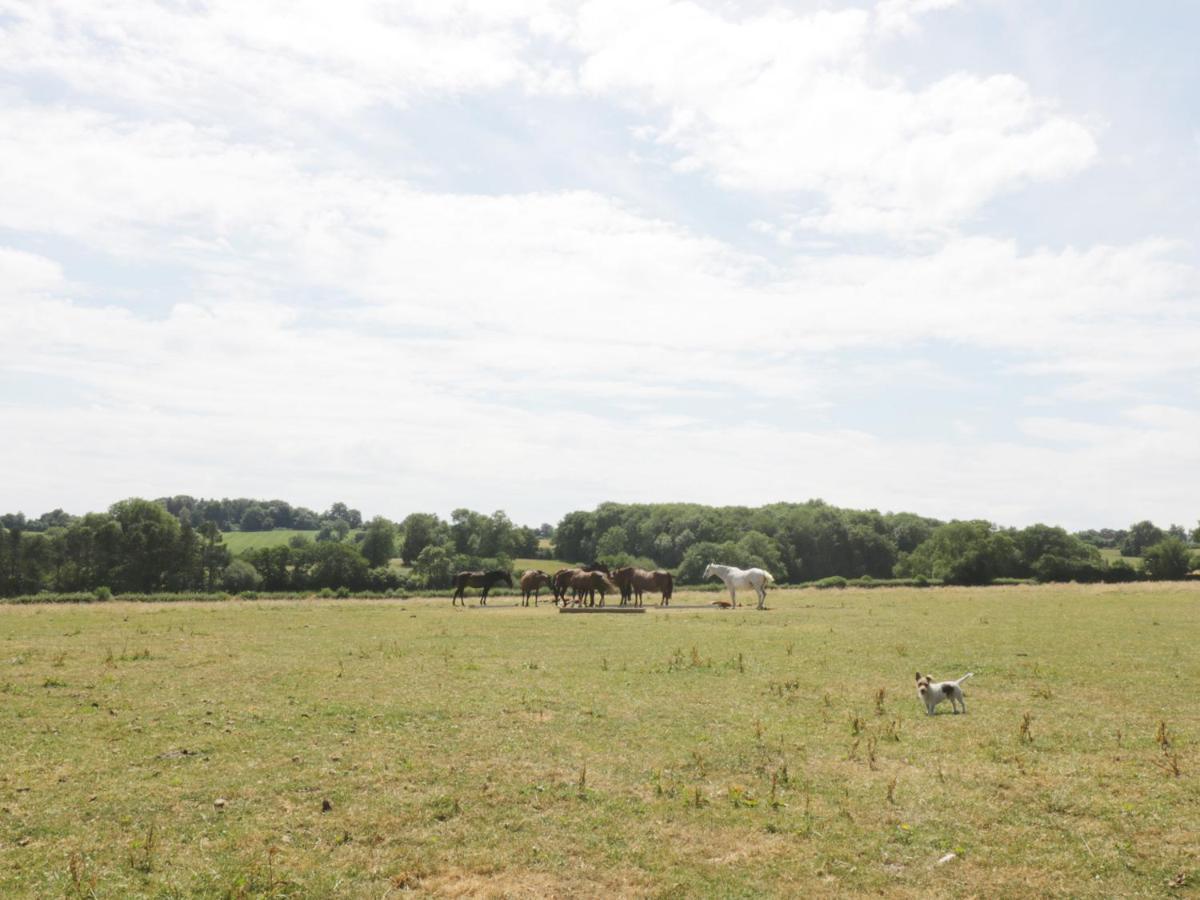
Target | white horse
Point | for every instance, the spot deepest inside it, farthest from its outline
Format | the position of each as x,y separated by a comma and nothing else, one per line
742,578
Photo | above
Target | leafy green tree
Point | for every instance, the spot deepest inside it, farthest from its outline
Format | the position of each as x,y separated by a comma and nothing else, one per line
255,518
214,555
964,553
1167,560
612,542
343,513
379,542
149,535
338,564
434,567
420,530
1141,536
240,575
333,530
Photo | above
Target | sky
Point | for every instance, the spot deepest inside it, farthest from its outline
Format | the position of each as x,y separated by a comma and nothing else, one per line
533,255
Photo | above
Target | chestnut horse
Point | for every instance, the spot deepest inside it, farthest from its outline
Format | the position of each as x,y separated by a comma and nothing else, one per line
585,582
484,580
633,582
532,582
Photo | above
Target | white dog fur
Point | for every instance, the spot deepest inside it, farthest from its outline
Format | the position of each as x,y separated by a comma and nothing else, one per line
934,692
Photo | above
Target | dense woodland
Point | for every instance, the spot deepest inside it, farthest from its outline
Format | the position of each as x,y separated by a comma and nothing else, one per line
177,544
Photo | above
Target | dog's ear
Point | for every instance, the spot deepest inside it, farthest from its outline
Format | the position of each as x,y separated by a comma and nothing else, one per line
918,676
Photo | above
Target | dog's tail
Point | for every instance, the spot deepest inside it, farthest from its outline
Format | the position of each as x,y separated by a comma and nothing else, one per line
964,678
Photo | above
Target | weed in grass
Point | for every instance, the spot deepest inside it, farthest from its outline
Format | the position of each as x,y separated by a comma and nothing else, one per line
789,649
891,730
604,664
1025,735
758,730
902,649
53,683
581,786
1162,736
880,694
82,883
1169,763
891,791
741,797
698,799
871,745
141,852
852,753
59,661
856,725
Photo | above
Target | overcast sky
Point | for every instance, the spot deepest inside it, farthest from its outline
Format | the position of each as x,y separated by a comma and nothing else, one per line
534,255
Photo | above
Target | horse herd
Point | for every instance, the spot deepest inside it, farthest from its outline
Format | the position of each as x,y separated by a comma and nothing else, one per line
577,584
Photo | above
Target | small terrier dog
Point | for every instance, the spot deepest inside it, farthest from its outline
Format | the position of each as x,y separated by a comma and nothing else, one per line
934,692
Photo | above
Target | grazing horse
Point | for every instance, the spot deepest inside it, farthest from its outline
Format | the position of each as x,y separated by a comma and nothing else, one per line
735,578
484,580
532,582
633,581
561,583
585,582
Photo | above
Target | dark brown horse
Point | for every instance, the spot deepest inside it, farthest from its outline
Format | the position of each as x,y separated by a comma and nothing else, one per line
561,583
532,582
633,582
484,580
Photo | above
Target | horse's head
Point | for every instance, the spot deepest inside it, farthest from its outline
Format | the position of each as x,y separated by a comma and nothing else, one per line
708,570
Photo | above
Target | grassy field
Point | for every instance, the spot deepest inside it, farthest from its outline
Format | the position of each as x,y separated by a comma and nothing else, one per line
237,541
358,748
1112,554
546,565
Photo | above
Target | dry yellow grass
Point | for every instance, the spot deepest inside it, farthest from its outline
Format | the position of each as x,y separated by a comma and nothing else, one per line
376,748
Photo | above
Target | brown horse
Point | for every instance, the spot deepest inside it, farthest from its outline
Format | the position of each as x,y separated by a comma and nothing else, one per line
585,582
561,583
532,582
633,582
484,580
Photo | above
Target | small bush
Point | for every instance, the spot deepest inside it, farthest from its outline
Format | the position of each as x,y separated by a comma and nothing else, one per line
326,593
102,593
833,581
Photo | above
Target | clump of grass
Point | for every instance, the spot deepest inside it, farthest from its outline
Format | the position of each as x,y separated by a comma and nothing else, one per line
581,788
444,808
891,730
698,799
871,746
891,791
856,725
880,695
1162,736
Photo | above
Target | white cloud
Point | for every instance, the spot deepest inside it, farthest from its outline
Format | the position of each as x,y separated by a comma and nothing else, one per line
789,103
336,329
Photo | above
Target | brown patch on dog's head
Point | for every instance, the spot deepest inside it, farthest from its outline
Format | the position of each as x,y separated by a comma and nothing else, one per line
922,684
918,676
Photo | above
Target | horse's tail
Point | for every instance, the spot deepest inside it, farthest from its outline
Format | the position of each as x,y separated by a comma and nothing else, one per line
668,586
770,579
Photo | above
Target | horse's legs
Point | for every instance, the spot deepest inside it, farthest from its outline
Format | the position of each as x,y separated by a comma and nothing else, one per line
733,596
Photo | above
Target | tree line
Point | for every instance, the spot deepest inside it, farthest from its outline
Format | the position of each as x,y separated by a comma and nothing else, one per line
177,544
